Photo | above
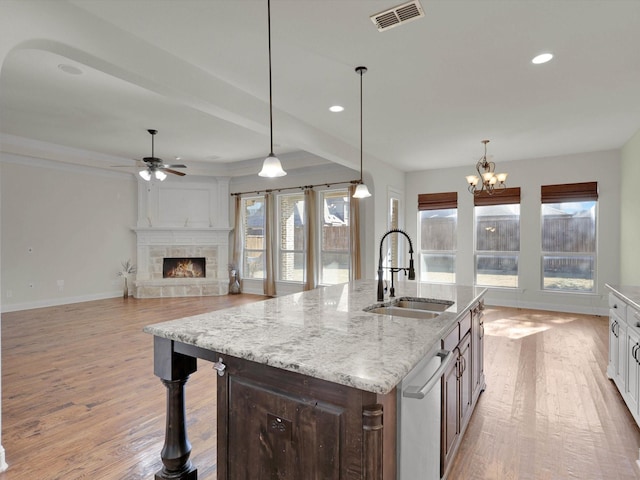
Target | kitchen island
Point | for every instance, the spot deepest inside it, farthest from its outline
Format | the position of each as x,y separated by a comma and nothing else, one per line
308,384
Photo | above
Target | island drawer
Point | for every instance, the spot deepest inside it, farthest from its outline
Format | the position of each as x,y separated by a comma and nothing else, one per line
451,341
465,325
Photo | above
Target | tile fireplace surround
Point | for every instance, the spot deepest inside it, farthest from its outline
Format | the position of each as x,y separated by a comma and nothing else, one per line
156,243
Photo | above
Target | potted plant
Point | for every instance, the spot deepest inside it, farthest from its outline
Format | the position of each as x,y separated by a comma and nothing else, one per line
127,269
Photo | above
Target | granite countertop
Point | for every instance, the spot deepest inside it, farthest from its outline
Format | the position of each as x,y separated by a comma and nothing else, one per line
630,294
324,333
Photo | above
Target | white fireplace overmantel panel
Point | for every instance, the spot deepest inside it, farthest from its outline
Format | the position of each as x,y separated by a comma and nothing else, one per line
184,202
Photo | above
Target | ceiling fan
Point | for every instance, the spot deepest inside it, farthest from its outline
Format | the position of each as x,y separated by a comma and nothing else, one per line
155,167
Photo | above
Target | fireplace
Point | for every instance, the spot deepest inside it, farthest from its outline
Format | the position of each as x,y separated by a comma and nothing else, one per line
203,251
184,267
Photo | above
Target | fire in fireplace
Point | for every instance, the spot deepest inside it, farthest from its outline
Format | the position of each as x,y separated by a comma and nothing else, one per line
184,267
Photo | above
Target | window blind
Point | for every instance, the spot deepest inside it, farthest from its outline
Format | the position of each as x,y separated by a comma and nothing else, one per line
569,192
437,201
507,197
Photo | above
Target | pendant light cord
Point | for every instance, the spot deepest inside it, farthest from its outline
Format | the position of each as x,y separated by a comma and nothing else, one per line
270,88
361,73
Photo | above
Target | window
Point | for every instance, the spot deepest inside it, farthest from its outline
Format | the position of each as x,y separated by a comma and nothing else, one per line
253,229
394,222
438,221
569,237
291,237
334,243
497,232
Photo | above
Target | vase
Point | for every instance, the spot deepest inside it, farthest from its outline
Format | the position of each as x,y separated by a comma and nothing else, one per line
125,293
234,284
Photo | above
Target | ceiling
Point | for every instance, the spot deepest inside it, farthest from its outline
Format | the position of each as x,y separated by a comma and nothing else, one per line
197,71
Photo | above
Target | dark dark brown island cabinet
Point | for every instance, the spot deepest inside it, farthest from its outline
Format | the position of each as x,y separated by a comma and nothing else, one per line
462,382
276,424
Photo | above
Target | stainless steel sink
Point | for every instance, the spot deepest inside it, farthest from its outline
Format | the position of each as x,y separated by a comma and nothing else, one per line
404,312
410,307
422,304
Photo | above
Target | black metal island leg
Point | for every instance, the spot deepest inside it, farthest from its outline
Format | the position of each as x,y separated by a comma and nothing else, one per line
174,370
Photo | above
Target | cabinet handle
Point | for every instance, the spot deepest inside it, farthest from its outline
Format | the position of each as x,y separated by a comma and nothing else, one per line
219,367
617,329
482,330
413,391
633,352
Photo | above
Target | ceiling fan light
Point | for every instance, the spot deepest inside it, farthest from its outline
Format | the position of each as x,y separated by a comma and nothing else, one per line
271,167
472,179
160,175
361,191
502,177
145,174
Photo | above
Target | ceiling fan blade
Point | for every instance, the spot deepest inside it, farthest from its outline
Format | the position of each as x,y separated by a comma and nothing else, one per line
173,166
175,172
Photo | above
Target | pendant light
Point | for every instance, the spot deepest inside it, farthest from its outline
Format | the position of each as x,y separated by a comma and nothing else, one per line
361,190
271,167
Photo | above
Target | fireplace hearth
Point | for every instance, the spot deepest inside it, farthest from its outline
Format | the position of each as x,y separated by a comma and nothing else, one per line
189,267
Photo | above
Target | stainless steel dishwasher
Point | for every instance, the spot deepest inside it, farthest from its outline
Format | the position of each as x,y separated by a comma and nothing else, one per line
420,400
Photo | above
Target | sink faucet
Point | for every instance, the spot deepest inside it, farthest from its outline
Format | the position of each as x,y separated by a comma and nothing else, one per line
412,272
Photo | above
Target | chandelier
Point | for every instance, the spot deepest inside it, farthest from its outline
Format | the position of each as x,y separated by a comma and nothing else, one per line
488,180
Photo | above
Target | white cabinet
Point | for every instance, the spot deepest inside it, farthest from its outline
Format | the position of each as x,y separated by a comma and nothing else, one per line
617,341
624,352
632,368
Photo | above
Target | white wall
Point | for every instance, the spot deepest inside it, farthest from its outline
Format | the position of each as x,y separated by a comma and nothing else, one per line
63,223
3,463
603,167
629,213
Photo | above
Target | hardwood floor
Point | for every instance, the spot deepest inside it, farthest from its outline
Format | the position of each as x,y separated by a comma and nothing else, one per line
80,399
549,410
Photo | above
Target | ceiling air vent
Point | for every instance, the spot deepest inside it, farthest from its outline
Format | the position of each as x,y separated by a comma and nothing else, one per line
397,15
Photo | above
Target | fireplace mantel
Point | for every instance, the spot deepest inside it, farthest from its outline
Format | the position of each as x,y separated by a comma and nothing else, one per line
156,243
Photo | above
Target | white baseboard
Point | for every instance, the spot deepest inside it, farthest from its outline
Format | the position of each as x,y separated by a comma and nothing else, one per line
551,307
3,463
54,302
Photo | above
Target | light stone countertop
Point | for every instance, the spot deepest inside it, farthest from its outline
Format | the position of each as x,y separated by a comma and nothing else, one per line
628,293
324,333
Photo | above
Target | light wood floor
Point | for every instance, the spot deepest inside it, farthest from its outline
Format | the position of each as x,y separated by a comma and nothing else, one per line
80,400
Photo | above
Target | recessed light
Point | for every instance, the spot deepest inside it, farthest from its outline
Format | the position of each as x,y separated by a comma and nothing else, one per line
70,69
336,108
542,58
